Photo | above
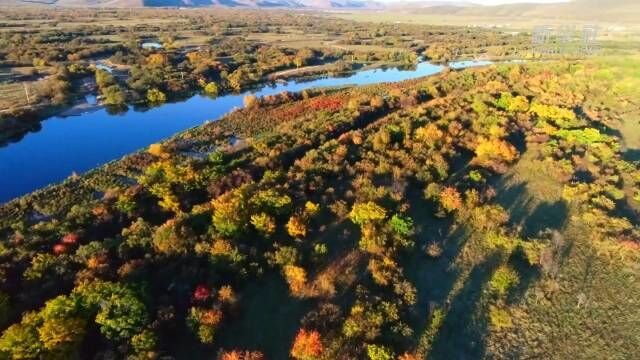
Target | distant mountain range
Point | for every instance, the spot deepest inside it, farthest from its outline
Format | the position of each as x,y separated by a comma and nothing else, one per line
288,4
587,10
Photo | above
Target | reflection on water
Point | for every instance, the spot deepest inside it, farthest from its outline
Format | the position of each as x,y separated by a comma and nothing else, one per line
79,143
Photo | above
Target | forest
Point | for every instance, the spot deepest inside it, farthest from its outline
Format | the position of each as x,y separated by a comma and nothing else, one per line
489,212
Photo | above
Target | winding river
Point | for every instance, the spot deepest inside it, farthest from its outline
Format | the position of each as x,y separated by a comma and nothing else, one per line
65,145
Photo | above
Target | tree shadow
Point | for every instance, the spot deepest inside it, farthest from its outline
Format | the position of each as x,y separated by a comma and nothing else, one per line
433,277
269,319
530,218
465,327
547,215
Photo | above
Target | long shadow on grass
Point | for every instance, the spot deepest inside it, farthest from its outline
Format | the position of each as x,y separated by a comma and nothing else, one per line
517,200
432,277
268,320
465,327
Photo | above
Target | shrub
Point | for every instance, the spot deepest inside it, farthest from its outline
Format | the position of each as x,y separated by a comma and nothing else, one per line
503,279
499,318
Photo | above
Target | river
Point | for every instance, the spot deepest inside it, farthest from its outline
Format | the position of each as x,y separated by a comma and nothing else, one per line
65,145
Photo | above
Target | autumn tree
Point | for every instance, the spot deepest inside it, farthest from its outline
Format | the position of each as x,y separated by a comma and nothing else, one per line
263,223
155,96
250,101
230,211
494,154
296,277
296,227
363,213
170,238
450,199
307,345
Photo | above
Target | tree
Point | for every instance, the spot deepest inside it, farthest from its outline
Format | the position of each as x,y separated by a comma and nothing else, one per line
230,212
264,223
157,150
62,335
211,89
402,226
167,239
363,213
113,95
377,352
377,102
239,78
296,227
121,315
307,345
493,153
144,342
204,322
296,278
271,201
250,101
450,199
104,79
21,340
155,96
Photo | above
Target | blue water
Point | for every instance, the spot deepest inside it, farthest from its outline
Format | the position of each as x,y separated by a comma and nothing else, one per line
79,143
